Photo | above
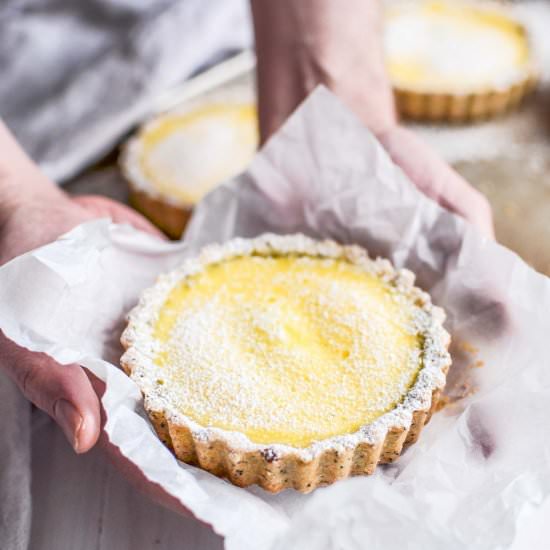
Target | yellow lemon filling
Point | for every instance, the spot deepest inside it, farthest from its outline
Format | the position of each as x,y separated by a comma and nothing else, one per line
185,155
448,47
286,350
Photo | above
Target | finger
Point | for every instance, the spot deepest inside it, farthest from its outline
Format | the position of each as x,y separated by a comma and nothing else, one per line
436,179
468,202
62,391
118,212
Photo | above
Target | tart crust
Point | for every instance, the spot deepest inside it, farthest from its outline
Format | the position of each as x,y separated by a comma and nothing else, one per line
275,467
168,217
459,107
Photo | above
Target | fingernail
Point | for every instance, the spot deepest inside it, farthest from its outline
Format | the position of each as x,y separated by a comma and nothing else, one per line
70,421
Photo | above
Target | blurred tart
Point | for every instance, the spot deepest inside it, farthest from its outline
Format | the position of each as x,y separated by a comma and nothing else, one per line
287,362
456,61
177,158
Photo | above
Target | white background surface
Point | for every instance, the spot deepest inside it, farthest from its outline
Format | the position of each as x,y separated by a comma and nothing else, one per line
83,503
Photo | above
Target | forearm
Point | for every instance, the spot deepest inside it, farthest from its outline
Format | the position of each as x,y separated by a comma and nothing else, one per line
300,44
20,179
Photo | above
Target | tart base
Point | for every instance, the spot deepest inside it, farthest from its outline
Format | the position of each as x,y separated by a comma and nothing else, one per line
275,473
167,217
461,108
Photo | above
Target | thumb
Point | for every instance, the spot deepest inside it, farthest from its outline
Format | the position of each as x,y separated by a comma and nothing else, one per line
62,391
436,179
118,212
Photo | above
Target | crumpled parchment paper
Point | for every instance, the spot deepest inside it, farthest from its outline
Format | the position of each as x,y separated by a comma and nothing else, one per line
480,465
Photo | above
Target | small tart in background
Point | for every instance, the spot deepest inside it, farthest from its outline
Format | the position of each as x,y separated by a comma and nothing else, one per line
287,362
456,61
178,157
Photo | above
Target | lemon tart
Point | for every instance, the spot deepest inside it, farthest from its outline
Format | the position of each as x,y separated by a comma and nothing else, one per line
287,362
177,158
456,61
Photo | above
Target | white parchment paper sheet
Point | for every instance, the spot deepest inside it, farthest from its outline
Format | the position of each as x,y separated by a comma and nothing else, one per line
480,465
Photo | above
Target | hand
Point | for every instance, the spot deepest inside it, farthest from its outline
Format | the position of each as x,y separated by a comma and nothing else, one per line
42,219
33,212
302,44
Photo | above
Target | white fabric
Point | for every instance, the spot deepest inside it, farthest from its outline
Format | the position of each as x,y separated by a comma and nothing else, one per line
15,474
